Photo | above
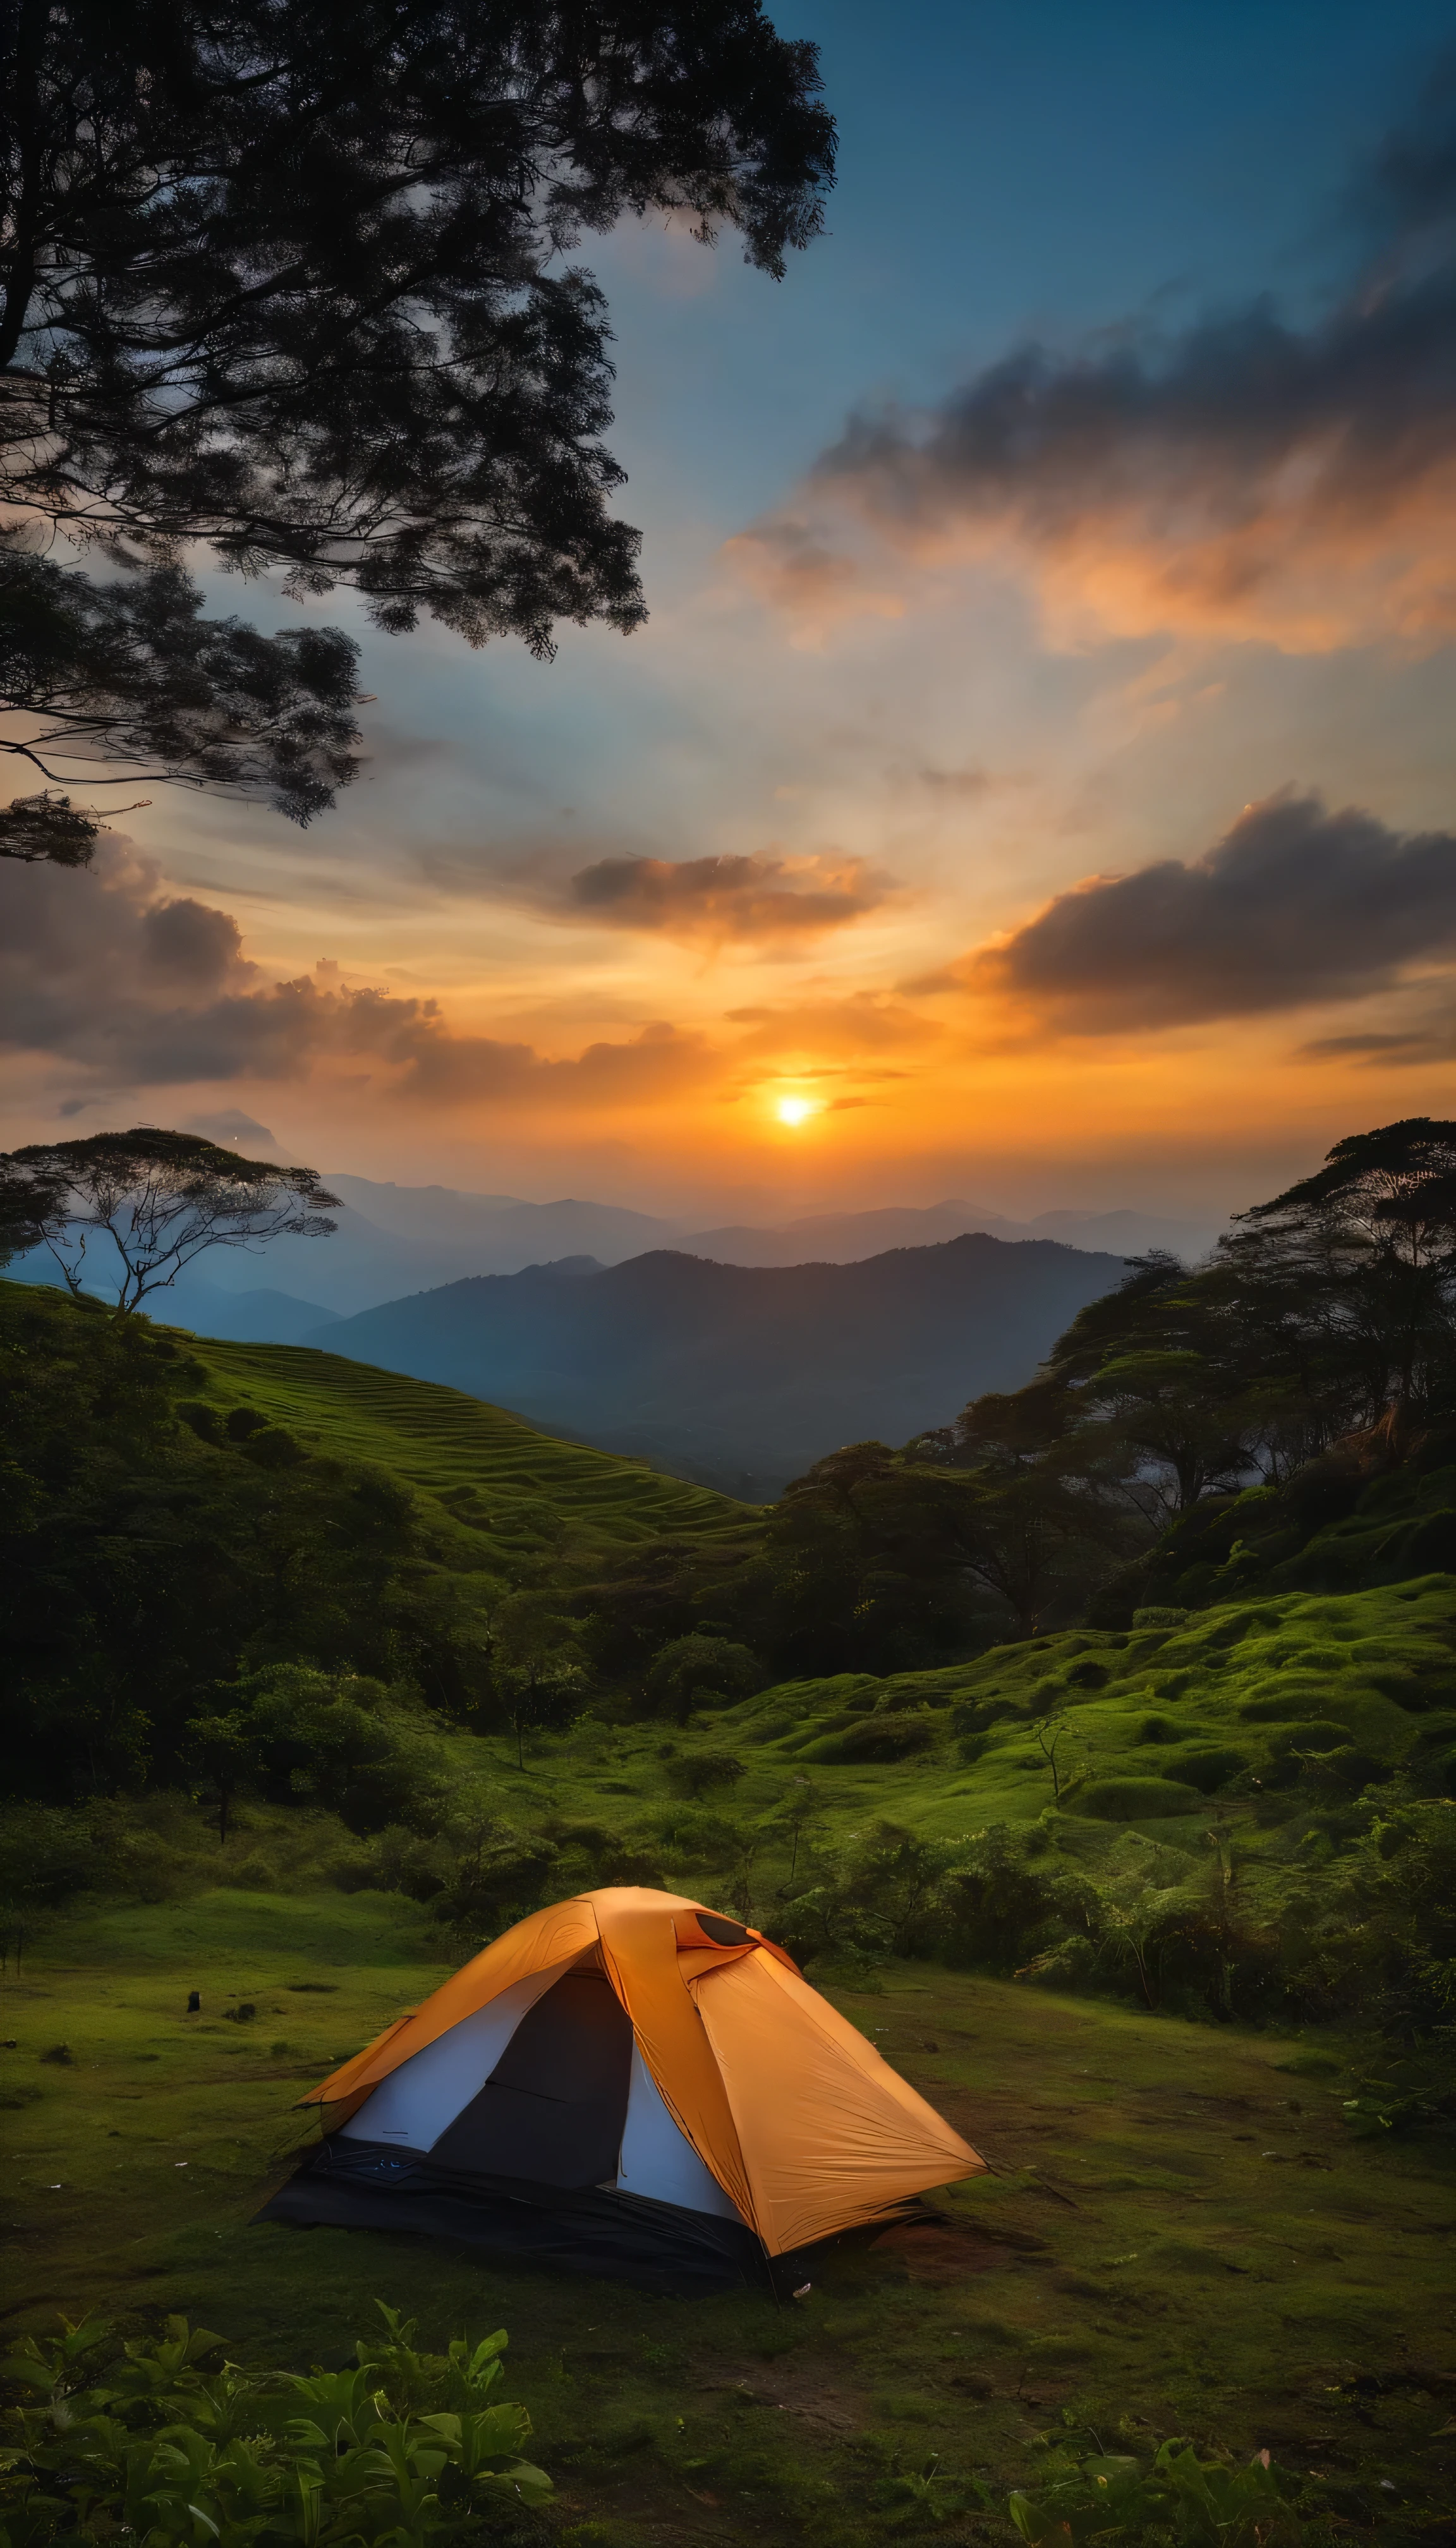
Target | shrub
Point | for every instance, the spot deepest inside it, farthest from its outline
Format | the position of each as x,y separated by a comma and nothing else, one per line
1181,2498
1010,1900
694,1772
150,2446
1136,1801
1315,1734
890,1737
1208,1768
694,1670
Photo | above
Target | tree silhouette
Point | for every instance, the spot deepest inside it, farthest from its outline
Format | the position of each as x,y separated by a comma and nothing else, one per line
152,1201
289,281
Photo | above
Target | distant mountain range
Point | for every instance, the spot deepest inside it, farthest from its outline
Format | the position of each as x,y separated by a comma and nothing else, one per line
739,1377
392,1240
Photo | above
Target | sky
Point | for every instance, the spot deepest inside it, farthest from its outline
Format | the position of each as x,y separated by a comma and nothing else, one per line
1036,781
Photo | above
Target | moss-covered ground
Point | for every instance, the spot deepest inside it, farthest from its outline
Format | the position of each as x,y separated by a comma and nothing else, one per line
1180,2236
1252,1719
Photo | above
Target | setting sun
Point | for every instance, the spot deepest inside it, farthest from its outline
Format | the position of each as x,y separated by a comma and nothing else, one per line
795,1110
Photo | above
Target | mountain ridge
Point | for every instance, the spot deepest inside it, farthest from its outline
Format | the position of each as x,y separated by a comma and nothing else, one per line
740,1377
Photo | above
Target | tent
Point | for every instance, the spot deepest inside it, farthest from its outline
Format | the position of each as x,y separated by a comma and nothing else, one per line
631,2084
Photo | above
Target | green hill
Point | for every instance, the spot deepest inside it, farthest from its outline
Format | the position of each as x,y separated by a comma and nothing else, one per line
1232,1703
181,1514
1356,1517
491,1470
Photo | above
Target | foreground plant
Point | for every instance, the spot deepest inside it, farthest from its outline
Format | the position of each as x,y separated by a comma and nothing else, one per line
1181,2498
402,2447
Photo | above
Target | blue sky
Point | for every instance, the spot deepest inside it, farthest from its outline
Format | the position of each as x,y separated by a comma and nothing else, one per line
973,716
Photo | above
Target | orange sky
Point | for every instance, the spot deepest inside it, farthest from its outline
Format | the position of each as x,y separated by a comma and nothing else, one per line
1052,817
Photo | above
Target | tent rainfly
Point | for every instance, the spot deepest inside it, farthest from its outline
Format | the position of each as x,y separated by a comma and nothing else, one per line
625,2084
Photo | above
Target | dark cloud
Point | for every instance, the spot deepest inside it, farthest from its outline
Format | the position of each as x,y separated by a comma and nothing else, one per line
1385,1052
104,974
728,898
190,946
1247,477
1296,904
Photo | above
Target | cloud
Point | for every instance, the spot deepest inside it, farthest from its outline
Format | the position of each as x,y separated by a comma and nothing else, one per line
128,987
746,900
1248,479
1431,1039
1295,905
804,570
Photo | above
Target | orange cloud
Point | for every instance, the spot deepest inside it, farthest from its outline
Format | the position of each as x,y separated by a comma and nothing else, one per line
1247,480
806,572
127,987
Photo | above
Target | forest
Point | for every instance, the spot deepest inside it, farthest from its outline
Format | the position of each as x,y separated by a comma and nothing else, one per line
216,1607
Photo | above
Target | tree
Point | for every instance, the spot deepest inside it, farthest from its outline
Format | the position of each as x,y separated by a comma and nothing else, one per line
698,1670
226,1747
800,1810
48,829
160,1198
341,1740
287,281
1031,1536
1367,1245
537,1663
131,672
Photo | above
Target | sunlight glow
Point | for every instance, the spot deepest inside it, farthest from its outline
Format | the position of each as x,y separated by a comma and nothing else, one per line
795,1110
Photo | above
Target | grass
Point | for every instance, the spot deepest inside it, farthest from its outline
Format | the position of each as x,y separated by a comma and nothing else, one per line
489,1469
1180,2238
1218,1690
1163,1732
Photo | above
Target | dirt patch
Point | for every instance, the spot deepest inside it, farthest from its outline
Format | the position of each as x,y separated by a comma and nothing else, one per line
933,2252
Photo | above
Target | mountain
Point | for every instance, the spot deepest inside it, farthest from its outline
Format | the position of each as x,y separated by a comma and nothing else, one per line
841,1237
395,1239
741,1376
261,1317
392,1240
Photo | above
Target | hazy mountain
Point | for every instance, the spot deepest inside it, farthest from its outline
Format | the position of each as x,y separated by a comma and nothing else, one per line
739,1376
394,1240
503,1224
391,1239
839,1238
255,1318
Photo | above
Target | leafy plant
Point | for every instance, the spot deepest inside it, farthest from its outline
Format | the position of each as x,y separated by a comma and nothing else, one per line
1181,2497
404,2448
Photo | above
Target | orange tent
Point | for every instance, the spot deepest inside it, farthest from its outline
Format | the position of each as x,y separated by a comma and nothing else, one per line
625,2071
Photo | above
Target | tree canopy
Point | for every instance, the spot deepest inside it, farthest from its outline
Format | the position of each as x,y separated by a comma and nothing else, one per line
290,281
135,1208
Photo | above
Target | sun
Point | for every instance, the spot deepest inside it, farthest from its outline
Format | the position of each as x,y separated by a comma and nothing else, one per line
795,1110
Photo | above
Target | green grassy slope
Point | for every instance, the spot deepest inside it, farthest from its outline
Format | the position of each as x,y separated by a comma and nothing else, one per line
1227,1714
1221,1704
1181,2238
1334,1528
489,1469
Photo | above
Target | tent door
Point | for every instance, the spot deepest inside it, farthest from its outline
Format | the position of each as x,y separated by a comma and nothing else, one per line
554,2108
